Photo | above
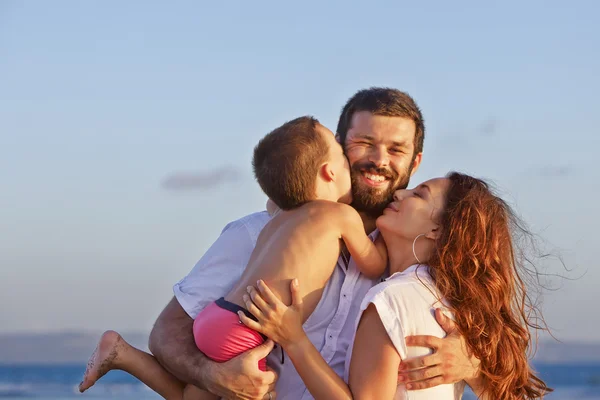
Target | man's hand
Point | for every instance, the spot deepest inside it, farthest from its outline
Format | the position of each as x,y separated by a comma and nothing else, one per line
449,363
240,378
172,343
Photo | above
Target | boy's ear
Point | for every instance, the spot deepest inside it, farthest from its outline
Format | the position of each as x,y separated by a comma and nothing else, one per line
327,173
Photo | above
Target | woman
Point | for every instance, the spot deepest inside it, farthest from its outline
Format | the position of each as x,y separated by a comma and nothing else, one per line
449,243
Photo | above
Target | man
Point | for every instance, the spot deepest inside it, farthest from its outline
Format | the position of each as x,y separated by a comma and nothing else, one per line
382,132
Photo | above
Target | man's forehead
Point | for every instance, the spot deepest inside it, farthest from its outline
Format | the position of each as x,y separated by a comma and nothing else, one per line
399,130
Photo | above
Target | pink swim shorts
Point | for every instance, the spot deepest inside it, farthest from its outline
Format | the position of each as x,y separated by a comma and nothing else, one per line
220,335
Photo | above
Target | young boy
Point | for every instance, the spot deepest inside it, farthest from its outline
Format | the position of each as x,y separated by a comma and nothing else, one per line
303,170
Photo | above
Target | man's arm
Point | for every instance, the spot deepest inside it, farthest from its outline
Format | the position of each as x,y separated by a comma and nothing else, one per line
172,340
173,345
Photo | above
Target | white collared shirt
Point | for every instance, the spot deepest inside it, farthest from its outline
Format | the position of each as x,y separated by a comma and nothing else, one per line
330,327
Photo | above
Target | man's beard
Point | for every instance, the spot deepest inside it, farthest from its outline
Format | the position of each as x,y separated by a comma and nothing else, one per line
372,201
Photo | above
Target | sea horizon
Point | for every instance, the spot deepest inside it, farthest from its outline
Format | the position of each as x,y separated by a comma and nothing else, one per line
60,381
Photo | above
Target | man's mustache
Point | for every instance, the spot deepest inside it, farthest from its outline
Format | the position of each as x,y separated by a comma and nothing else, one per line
374,169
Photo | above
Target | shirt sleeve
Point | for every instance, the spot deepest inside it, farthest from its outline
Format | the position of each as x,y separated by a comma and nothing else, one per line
392,324
217,271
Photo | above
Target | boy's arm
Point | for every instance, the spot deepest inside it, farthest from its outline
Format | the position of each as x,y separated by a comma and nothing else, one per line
370,258
381,247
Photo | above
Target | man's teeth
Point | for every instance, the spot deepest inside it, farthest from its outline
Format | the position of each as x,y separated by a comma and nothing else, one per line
375,178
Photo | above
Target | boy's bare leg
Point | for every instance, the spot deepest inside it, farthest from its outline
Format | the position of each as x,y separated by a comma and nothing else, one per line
193,393
113,352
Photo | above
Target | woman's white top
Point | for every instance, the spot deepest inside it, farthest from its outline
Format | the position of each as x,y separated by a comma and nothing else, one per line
406,302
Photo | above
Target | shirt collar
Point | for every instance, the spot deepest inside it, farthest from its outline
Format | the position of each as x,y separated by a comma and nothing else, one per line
409,270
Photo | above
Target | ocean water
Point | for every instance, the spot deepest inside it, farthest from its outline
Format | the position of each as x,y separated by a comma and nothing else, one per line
59,382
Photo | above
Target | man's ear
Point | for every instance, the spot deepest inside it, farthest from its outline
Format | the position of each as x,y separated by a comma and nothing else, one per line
327,173
416,163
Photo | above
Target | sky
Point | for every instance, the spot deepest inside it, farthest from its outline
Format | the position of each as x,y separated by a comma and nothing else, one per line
127,129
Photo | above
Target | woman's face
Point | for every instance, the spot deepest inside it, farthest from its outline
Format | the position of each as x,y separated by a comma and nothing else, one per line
415,211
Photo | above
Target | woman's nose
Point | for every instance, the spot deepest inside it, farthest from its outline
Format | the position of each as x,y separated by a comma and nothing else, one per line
400,194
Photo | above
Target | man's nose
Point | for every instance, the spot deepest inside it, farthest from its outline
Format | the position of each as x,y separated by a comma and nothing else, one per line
379,157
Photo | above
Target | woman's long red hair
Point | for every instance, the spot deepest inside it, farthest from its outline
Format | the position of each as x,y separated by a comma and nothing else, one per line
477,271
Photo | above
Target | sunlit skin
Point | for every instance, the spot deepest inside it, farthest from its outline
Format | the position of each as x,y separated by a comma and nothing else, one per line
302,243
380,152
413,215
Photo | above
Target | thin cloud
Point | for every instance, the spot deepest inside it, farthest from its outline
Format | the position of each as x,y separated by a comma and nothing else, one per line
201,180
489,127
556,171
461,136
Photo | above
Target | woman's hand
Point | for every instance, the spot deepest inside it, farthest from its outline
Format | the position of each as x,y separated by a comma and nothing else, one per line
277,321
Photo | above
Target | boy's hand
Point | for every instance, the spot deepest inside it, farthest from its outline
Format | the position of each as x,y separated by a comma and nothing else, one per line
449,363
240,377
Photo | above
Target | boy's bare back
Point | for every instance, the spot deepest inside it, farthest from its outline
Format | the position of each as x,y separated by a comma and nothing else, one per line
303,243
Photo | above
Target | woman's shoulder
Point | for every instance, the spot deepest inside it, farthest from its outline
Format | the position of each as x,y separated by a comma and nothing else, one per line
412,286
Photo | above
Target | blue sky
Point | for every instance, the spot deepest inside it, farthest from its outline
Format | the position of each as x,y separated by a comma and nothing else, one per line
101,102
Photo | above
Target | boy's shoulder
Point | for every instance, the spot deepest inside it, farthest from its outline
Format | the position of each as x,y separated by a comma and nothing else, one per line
326,206
329,216
323,212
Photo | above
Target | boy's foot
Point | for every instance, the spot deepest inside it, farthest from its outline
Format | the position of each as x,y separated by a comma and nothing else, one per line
102,360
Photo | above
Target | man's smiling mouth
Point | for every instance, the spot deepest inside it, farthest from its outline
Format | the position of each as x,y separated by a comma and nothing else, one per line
374,179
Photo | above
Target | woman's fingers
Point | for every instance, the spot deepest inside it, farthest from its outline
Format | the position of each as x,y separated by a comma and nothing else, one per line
250,323
268,294
258,299
254,310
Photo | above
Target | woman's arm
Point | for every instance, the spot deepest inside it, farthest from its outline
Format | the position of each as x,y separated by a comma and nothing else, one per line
283,325
320,379
375,361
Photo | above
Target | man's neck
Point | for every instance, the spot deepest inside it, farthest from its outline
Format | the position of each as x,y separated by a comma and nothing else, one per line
368,222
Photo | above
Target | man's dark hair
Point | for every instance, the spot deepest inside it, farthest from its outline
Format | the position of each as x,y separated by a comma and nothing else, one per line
386,102
286,162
